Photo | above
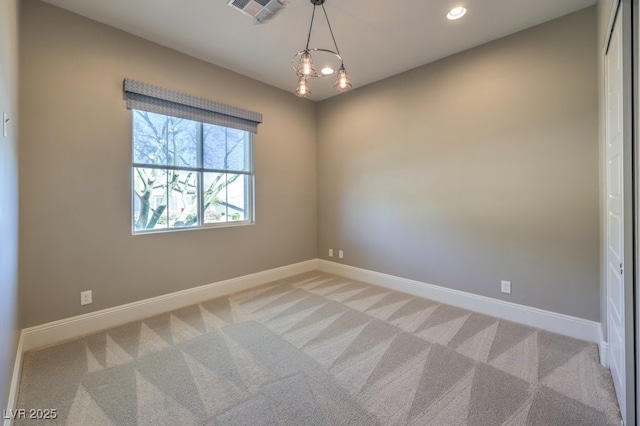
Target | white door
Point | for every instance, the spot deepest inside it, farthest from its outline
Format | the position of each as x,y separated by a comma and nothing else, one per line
614,224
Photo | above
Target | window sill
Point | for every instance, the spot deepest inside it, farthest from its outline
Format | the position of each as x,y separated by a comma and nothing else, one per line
195,228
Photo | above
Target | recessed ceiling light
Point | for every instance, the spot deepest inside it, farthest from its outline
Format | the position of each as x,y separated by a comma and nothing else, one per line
456,13
327,70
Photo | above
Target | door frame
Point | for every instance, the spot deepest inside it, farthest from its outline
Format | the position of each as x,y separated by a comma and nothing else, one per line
634,30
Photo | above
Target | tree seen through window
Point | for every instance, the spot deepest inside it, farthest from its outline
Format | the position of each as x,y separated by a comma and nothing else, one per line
189,174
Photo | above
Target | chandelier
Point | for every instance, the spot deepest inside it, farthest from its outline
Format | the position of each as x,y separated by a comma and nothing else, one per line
303,61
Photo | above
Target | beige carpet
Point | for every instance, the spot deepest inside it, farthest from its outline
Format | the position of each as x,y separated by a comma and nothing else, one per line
317,349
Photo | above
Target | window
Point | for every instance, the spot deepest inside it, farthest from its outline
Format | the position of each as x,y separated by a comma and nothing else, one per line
186,172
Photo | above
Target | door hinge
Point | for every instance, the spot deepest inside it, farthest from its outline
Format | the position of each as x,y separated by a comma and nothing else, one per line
621,269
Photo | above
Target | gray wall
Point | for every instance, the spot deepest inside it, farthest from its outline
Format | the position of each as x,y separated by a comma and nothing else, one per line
75,172
9,312
480,167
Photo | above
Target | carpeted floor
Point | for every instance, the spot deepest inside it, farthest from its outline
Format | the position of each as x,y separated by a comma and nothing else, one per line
316,349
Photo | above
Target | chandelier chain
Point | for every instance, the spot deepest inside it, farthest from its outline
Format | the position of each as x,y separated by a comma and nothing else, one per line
313,14
330,29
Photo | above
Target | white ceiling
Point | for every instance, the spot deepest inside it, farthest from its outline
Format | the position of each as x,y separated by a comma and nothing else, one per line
377,39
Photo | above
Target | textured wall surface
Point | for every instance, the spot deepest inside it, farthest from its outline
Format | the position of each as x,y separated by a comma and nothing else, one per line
76,171
474,169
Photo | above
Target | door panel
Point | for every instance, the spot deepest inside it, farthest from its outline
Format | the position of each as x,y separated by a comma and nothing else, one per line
615,217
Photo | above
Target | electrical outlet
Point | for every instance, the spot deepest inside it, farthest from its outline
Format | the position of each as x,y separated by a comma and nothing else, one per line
86,297
330,252
505,287
340,254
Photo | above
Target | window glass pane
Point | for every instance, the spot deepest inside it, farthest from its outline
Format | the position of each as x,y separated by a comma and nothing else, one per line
149,138
150,198
214,197
225,148
237,191
183,200
183,142
226,197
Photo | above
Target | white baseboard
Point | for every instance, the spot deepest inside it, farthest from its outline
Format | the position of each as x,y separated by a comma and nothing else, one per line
15,382
68,328
551,321
604,348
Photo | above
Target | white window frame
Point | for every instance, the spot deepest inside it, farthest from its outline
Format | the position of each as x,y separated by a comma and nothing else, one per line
201,170
171,103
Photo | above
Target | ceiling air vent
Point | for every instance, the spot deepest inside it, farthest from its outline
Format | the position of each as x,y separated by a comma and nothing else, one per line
260,10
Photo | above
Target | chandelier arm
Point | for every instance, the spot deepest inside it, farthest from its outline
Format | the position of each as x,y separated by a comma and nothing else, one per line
313,14
330,29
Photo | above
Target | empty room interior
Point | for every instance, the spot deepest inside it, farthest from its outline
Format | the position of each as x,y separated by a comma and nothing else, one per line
183,240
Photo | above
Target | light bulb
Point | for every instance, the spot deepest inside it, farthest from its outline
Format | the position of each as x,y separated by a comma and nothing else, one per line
305,66
303,89
342,81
